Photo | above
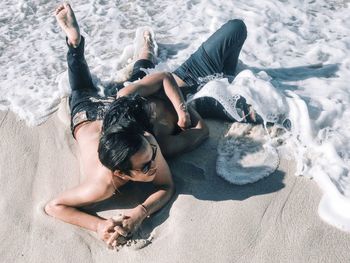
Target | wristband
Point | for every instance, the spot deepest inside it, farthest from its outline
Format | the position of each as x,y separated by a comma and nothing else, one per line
183,106
145,210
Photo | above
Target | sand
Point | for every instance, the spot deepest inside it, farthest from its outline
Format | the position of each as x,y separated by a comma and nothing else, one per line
208,219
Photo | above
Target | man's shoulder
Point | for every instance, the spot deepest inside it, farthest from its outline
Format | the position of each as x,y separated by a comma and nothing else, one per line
149,136
88,131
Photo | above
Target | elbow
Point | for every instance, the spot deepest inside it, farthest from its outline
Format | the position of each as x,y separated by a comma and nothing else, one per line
52,208
167,78
167,75
203,128
170,189
170,192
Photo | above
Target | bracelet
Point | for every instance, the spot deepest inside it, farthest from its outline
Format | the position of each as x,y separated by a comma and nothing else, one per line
183,106
145,210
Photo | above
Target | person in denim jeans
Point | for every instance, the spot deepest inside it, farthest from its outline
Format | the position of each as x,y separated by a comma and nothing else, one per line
217,55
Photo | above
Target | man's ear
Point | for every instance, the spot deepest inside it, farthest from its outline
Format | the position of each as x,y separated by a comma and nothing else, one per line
121,175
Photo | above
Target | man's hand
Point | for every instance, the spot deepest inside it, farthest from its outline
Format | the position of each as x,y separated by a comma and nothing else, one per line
133,219
184,121
114,231
109,230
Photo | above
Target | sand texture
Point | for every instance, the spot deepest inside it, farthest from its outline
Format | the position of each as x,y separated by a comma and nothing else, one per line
208,220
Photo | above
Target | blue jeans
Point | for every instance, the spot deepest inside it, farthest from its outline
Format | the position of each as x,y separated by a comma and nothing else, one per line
218,54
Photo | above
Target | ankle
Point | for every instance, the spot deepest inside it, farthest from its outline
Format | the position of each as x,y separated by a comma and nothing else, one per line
74,42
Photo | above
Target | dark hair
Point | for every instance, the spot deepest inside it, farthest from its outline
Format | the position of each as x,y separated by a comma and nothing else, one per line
133,108
118,143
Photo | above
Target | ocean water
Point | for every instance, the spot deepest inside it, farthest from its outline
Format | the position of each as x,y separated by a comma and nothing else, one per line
296,62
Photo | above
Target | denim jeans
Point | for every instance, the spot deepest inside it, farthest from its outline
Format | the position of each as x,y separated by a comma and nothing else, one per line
85,103
218,54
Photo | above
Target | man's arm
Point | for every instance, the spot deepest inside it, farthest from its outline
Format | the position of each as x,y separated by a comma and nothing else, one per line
186,140
153,83
163,182
164,190
64,207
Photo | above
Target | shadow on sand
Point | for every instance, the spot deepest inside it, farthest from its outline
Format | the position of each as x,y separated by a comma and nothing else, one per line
281,76
194,174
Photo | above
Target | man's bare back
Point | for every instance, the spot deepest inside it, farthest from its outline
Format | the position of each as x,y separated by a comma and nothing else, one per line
88,135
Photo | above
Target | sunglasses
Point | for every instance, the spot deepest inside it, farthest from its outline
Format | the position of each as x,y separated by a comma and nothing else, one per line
147,167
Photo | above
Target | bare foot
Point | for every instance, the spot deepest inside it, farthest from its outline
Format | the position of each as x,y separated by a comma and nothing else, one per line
67,21
147,50
253,117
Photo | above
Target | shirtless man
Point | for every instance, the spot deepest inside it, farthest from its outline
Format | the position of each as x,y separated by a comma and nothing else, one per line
144,160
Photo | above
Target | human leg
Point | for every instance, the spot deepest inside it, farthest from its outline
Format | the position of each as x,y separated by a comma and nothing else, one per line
145,59
224,46
82,108
218,54
209,107
78,70
67,21
137,72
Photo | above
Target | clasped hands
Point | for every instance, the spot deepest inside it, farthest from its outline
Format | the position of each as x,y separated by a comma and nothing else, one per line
114,231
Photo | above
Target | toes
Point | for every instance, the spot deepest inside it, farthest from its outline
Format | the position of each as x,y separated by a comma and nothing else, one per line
146,33
147,36
67,6
59,9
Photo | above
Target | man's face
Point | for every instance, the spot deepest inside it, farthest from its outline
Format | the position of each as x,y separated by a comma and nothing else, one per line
143,163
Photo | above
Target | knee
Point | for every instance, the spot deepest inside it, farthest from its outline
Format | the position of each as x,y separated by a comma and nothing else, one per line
237,27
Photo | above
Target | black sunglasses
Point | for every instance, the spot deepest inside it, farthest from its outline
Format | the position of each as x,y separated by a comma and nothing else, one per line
147,167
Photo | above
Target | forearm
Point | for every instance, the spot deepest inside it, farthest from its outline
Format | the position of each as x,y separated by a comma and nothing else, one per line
158,199
145,87
73,216
191,139
174,94
186,140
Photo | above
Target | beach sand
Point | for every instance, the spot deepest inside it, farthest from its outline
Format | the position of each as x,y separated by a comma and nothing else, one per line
208,219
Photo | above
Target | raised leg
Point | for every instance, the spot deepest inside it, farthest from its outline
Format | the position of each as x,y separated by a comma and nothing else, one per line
218,54
146,58
78,70
147,50
224,46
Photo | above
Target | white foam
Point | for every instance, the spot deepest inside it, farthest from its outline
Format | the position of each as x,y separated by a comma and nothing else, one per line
245,155
284,38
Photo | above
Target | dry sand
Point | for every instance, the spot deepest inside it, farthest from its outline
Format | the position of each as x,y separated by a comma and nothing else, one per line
208,220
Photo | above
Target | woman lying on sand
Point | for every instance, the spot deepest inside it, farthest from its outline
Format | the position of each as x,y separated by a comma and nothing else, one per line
126,151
